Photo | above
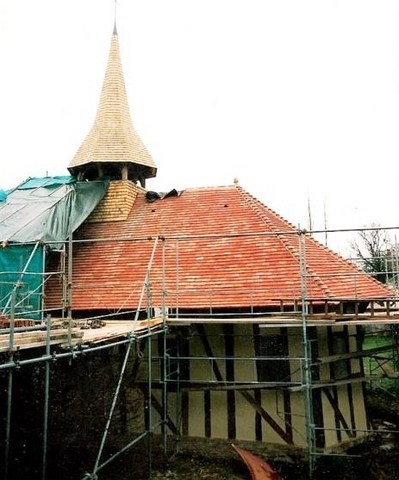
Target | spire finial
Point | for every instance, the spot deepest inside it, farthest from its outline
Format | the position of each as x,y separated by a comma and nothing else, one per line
115,30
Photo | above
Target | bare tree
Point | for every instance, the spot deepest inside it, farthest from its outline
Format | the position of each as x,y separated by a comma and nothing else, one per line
372,249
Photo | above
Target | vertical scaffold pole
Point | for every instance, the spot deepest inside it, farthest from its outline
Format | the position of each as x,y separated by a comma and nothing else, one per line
307,362
164,366
149,368
18,282
9,387
69,289
177,278
149,350
46,398
97,465
396,265
42,294
178,401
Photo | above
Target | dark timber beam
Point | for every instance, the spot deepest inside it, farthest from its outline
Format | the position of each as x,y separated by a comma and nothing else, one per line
251,400
158,407
338,412
359,354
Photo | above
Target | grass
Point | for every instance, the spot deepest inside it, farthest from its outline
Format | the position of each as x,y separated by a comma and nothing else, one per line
372,366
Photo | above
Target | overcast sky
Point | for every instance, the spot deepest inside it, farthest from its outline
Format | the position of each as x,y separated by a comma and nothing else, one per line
298,99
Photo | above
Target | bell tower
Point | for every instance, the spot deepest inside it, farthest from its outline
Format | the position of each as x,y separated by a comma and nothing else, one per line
112,147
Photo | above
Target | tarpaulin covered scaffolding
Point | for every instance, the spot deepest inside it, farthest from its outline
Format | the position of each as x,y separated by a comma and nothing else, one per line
38,215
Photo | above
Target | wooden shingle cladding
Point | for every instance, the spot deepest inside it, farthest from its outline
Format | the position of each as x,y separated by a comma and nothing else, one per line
113,139
218,248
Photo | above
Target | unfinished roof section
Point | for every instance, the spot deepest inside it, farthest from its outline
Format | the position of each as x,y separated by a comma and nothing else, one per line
219,248
112,147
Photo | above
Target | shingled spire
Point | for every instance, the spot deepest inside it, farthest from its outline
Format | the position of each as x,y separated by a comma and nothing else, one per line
113,148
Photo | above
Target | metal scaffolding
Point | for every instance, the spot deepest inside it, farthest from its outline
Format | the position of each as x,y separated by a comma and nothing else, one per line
69,350
165,369
302,316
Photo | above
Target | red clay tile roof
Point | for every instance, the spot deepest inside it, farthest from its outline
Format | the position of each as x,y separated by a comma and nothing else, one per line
222,249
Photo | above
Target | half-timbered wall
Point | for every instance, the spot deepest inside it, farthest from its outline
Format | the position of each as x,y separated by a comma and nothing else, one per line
245,382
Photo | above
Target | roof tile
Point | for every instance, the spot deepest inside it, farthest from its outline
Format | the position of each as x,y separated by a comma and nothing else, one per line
222,248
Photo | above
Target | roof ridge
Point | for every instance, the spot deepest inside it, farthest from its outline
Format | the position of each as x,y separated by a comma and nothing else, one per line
209,187
309,237
254,203
318,280
342,259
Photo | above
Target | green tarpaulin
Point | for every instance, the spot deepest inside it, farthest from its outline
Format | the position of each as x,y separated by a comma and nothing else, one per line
21,271
47,209
38,215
